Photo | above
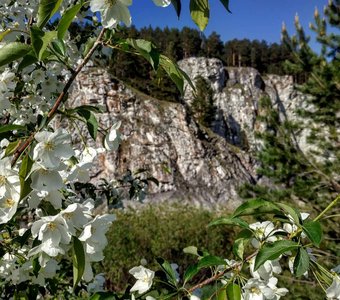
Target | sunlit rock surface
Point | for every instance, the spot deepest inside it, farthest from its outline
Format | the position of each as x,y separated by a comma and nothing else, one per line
192,163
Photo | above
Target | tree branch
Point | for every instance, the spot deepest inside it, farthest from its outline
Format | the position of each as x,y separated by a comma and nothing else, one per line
61,97
220,274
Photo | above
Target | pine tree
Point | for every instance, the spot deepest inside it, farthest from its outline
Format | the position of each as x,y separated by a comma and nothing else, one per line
310,175
203,105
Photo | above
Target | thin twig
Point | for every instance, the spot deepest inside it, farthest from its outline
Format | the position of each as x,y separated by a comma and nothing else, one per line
61,97
220,274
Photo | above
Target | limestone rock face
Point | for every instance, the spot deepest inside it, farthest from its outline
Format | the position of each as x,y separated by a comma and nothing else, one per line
192,163
237,92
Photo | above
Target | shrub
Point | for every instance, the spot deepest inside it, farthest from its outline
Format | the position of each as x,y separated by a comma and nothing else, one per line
160,230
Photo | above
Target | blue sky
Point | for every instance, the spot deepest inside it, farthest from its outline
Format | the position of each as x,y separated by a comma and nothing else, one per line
252,19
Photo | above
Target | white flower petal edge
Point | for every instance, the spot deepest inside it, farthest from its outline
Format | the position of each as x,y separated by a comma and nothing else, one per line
144,278
162,3
112,11
333,292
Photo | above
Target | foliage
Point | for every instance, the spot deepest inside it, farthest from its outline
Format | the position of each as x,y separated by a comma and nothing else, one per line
187,42
309,175
49,232
202,104
159,230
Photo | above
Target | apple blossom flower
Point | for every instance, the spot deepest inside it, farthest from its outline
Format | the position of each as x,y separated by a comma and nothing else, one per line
263,232
80,172
77,215
7,81
144,278
333,291
51,231
9,178
266,270
257,289
113,138
54,197
51,148
8,205
112,11
94,237
292,227
46,180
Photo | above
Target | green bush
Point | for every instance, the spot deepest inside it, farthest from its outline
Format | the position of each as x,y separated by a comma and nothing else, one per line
160,231
165,230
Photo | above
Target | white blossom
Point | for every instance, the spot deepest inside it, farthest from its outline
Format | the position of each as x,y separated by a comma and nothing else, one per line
266,270
9,178
257,289
51,231
54,197
292,227
144,278
112,11
8,205
51,148
94,237
113,138
46,180
333,291
263,232
77,215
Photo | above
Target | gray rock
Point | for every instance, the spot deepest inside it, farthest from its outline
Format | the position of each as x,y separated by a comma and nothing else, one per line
192,163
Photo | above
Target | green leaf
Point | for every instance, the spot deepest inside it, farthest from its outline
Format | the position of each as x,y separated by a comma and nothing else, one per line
91,121
4,33
210,261
88,46
173,71
78,261
11,127
273,251
59,47
92,108
103,296
313,230
290,211
221,294
67,19
41,40
226,4
191,250
199,10
241,241
190,272
25,183
147,50
238,248
256,206
301,262
233,292
169,271
47,8
13,51
177,5
12,147
229,221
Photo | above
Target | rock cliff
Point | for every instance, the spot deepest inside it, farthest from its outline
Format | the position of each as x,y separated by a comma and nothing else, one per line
237,92
192,163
